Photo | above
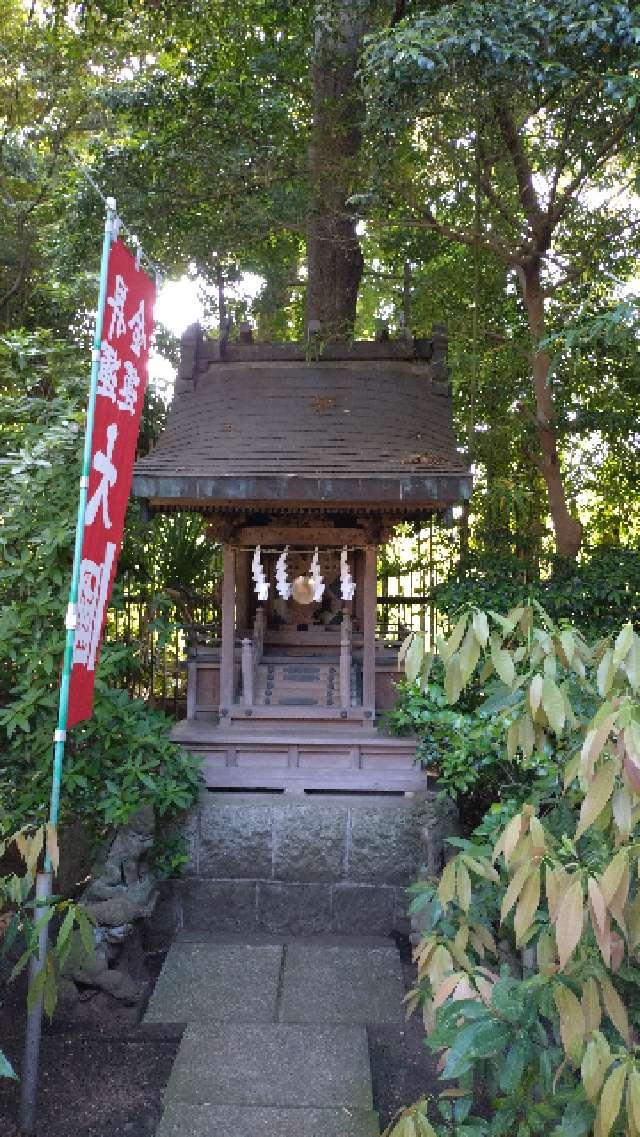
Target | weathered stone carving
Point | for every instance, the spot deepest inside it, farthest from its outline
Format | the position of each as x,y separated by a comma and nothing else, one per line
122,892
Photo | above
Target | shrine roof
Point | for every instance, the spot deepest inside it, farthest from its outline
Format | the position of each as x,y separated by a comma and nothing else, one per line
369,425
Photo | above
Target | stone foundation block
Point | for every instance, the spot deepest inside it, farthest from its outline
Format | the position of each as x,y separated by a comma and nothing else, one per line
361,909
297,909
235,842
219,906
384,845
310,842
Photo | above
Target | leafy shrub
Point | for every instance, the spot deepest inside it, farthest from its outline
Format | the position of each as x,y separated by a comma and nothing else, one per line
527,973
598,592
22,919
122,757
465,745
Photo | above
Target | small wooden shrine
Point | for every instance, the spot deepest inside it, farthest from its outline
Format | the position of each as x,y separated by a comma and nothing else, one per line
303,465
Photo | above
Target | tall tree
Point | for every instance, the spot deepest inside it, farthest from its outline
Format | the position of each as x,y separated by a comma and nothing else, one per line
334,257
535,106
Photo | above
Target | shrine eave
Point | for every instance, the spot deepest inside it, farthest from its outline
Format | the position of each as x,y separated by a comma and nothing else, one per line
416,492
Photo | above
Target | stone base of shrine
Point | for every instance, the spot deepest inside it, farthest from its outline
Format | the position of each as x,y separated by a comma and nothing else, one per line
279,863
326,756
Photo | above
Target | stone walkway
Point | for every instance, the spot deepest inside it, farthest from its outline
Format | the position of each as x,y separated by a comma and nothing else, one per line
276,1040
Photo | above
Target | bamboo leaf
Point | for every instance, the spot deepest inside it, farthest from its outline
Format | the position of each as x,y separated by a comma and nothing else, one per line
414,656
455,639
452,680
535,694
568,645
622,810
590,1001
569,922
463,886
469,655
598,903
611,1099
50,989
480,627
597,796
553,704
65,929
527,906
632,665
516,885
526,735
605,673
614,1007
446,988
481,868
546,953
591,1071
594,742
508,842
633,1092
571,771
504,665
447,885
623,643
556,883
632,919
538,837
602,931
572,1024
35,847
613,874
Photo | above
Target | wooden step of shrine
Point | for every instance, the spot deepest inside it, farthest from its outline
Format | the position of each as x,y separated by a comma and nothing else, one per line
314,756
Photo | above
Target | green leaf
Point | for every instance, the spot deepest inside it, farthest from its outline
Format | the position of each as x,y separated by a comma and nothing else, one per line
479,1040
504,665
512,1066
553,704
6,1069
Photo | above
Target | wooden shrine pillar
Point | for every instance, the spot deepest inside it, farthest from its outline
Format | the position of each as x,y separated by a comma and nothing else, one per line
243,591
227,647
369,598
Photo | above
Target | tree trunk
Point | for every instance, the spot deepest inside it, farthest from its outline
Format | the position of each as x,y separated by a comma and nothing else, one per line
567,529
334,258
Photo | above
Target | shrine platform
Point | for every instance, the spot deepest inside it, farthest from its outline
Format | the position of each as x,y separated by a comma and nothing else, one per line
316,750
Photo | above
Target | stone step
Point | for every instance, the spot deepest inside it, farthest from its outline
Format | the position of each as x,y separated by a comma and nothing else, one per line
341,984
278,1065
181,1120
323,983
205,982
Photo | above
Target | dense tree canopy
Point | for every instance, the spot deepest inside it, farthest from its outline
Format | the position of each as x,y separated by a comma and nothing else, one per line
473,164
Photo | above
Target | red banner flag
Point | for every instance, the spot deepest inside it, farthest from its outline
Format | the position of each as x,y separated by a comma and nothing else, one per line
122,379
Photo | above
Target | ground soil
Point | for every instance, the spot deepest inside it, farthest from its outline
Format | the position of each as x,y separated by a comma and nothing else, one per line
103,1073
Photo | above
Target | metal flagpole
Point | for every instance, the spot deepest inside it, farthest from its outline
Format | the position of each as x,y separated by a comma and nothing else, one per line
29,1088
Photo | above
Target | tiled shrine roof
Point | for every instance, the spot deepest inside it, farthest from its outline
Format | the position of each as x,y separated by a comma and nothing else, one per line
362,429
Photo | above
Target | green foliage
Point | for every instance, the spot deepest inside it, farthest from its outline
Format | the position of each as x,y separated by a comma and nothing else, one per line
464,745
22,919
121,757
527,972
598,593
169,855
